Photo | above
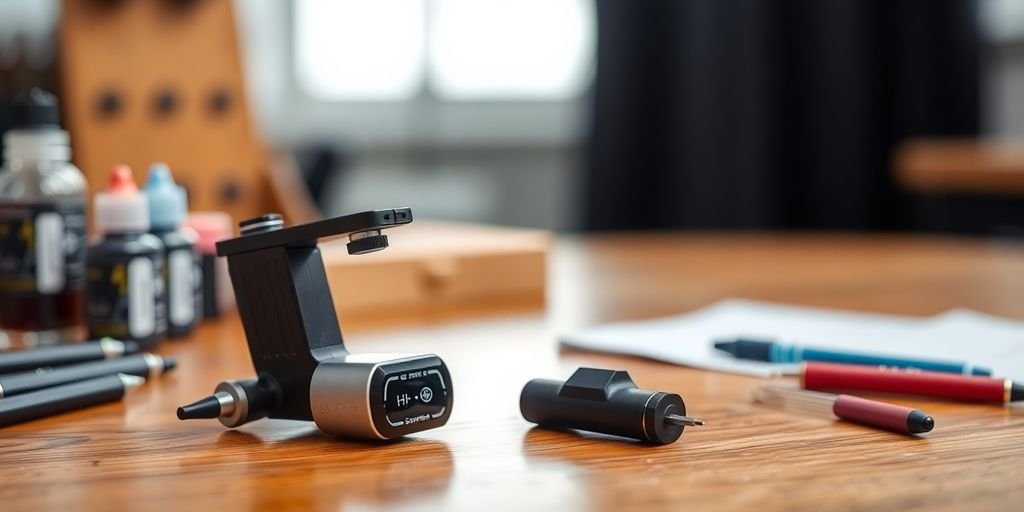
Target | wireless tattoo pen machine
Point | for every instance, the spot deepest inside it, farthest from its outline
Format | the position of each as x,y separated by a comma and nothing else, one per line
303,370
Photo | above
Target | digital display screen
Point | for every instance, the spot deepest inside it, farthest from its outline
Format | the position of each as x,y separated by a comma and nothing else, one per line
414,396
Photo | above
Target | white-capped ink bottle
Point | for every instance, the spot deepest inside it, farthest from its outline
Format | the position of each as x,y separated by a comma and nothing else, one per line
125,269
42,229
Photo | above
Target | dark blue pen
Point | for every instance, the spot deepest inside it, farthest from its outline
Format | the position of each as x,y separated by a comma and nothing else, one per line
761,350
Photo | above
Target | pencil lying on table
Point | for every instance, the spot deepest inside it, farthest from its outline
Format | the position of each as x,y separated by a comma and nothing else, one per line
60,355
848,377
872,413
69,397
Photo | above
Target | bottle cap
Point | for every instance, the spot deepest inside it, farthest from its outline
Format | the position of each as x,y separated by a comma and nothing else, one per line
35,133
121,208
35,108
167,202
211,227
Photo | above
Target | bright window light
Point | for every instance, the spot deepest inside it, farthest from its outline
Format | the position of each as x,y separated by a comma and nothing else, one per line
1003,20
466,49
510,49
360,49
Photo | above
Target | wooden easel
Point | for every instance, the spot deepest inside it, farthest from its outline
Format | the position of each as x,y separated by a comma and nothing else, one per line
161,80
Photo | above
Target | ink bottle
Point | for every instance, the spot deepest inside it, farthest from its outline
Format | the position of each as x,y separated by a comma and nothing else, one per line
42,229
183,276
212,227
125,269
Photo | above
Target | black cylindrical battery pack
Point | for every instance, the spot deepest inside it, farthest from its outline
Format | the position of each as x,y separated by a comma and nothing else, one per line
627,412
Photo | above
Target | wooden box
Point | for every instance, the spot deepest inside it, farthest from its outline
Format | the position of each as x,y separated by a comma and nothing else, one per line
439,269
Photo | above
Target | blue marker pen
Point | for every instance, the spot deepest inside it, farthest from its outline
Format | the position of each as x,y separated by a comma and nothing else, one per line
760,350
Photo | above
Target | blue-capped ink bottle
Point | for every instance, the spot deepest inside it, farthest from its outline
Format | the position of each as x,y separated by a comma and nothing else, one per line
168,206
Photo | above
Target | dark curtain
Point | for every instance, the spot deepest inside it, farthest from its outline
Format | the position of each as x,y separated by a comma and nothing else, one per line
771,114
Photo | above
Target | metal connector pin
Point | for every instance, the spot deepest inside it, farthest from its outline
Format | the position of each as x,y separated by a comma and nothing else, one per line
676,419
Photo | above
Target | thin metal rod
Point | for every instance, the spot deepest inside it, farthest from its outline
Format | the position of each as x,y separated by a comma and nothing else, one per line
676,419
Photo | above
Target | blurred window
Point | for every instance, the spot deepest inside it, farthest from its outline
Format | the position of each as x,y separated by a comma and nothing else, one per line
359,49
459,50
1003,20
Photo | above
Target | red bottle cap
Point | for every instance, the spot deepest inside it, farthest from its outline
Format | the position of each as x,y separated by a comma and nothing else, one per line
121,181
120,208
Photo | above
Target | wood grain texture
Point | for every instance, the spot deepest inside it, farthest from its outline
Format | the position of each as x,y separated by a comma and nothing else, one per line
961,166
136,455
434,267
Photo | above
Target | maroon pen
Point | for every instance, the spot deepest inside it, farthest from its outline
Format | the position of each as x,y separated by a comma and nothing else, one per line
872,413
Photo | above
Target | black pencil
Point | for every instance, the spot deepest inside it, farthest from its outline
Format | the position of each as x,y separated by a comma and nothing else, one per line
59,355
69,397
140,365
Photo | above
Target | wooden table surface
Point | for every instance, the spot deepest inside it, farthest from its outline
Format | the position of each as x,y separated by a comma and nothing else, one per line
136,454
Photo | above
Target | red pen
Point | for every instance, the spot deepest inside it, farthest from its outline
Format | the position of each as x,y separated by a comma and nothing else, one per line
831,376
872,413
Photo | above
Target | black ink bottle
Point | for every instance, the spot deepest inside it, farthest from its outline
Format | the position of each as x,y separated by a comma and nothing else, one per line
42,229
125,269
183,276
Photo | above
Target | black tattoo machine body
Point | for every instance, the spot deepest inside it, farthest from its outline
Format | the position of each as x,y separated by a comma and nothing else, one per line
303,370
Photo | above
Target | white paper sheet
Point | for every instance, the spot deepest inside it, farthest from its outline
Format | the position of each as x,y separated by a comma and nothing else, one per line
960,335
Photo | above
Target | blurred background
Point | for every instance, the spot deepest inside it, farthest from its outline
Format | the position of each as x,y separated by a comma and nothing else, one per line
598,115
